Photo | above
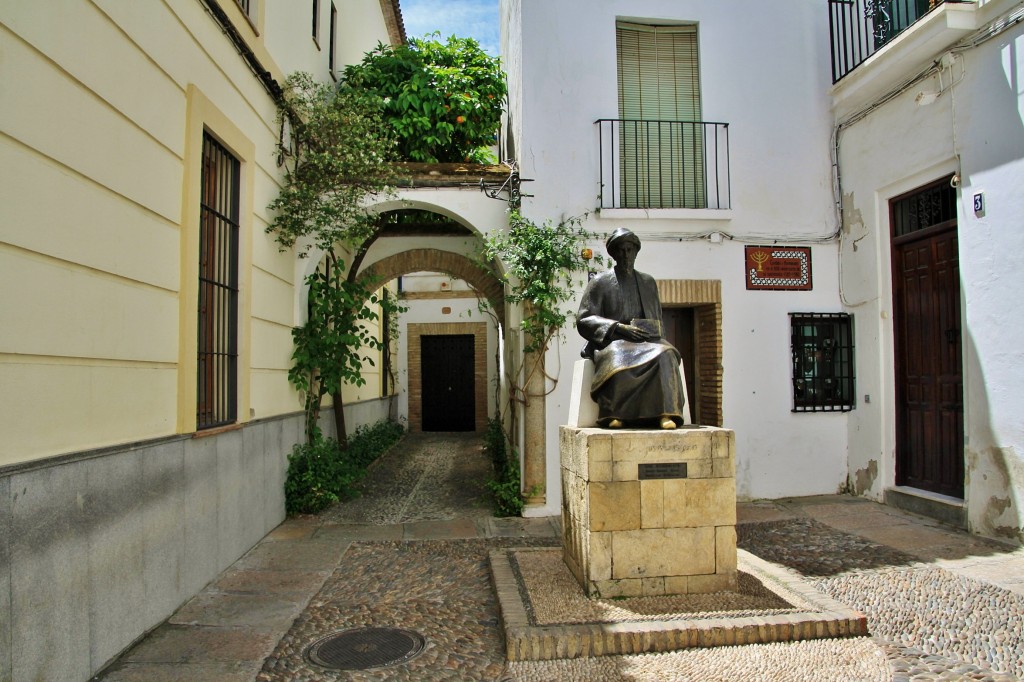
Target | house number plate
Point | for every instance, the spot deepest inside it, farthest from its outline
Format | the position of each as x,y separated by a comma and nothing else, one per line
649,472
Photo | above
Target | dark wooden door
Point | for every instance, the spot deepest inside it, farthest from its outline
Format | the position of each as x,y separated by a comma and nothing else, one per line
449,384
929,375
679,331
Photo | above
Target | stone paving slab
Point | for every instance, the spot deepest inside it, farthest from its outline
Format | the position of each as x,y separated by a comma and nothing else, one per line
237,671
808,614
270,582
228,609
760,512
338,532
514,527
178,644
456,529
291,555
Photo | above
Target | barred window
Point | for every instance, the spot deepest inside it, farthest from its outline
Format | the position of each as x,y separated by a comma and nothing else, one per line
332,47
823,370
249,7
930,206
316,22
218,288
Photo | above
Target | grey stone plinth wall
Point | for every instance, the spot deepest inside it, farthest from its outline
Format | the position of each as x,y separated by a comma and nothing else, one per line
629,537
98,547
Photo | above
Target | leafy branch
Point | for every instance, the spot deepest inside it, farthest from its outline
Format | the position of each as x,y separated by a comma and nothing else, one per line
544,264
442,99
341,152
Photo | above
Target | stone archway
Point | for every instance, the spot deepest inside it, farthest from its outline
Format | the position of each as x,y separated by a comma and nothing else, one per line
435,260
483,283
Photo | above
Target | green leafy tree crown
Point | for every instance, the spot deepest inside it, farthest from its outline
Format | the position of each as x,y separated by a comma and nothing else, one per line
443,99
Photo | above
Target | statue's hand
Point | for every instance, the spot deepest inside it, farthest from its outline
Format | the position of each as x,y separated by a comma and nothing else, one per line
631,333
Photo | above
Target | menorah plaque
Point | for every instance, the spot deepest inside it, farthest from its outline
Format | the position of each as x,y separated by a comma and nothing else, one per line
778,268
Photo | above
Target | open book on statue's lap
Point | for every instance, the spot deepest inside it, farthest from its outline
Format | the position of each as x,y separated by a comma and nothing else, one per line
650,327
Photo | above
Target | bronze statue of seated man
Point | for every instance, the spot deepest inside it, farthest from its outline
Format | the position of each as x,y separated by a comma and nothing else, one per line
636,371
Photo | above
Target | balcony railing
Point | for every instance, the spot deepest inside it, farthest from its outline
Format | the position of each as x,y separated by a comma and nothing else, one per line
664,164
859,28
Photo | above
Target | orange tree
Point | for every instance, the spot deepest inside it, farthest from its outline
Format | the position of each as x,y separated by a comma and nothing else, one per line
443,100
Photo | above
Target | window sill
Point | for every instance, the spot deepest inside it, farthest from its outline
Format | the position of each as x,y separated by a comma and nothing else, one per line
665,213
217,430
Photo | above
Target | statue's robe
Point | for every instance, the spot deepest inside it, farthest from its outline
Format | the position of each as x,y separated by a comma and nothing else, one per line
633,382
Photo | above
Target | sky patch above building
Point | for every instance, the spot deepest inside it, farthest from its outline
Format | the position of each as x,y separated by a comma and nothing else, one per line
476,19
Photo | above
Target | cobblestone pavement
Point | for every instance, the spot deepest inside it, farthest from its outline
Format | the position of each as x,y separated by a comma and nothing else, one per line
428,476
929,621
412,553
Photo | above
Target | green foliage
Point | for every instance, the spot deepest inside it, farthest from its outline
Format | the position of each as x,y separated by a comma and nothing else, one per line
341,149
504,487
443,100
330,349
370,441
318,476
542,266
320,473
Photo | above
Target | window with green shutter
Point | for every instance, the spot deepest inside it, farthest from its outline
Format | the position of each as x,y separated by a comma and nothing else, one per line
661,138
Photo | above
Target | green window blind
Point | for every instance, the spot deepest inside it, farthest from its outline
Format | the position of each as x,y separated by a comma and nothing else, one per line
661,140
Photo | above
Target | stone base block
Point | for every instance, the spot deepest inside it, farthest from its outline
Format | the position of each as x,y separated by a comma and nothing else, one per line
649,512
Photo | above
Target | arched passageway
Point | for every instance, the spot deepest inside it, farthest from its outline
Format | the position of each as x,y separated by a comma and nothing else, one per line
465,392
436,260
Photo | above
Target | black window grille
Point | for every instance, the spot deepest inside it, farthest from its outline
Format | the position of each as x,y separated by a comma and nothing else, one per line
923,208
316,22
246,6
333,38
823,371
218,288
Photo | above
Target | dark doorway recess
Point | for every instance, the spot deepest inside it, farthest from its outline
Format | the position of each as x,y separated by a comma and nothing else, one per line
926,312
680,332
446,370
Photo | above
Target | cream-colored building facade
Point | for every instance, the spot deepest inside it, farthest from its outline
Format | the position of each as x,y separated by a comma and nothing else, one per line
120,495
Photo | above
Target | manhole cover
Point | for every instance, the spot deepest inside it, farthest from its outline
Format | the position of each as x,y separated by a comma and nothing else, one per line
364,648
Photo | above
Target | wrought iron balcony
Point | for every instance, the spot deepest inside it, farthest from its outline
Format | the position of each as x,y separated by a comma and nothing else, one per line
664,164
859,28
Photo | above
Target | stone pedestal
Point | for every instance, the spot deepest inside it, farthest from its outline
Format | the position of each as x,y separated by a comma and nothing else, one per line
649,512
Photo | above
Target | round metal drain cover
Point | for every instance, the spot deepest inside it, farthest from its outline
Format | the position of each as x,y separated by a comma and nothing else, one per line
365,648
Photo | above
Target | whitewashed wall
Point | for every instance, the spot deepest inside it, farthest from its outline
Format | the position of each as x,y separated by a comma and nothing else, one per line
976,128
763,71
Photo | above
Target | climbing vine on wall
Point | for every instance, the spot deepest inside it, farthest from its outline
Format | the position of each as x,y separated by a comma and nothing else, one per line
337,154
543,266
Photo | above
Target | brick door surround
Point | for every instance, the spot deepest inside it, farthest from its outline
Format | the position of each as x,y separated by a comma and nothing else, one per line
413,334
705,297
